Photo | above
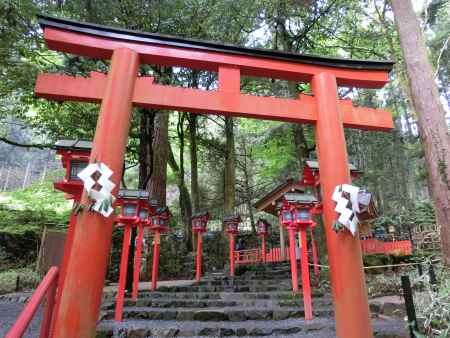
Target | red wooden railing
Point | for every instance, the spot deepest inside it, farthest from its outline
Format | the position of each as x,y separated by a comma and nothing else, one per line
254,256
375,246
369,246
47,290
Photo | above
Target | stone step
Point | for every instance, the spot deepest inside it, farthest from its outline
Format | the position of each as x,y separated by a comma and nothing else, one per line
315,328
217,314
207,303
245,282
287,295
221,288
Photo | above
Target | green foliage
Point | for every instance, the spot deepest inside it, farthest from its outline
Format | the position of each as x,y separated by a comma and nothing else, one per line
31,208
433,306
28,280
419,213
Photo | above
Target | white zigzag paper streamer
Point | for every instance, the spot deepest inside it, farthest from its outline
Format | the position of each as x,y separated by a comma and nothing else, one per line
347,216
99,196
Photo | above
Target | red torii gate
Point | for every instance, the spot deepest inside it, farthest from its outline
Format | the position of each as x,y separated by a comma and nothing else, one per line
121,88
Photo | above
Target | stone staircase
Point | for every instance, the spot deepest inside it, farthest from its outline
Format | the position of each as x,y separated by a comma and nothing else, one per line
256,303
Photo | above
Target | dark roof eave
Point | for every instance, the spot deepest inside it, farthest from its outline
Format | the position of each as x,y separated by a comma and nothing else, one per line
143,37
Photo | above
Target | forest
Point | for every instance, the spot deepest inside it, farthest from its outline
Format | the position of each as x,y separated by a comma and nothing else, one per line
197,162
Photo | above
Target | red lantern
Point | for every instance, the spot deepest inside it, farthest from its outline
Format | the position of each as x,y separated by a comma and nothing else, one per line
286,216
134,206
200,222
160,220
74,157
263,227
232,223
302,215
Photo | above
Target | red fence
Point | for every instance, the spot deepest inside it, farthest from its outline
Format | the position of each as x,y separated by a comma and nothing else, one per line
46,289
253,256
396,248
369,247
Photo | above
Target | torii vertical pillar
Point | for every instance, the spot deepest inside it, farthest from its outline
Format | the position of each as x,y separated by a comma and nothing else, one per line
344,251
83,285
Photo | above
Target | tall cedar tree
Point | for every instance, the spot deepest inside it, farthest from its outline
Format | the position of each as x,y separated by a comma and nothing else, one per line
431,115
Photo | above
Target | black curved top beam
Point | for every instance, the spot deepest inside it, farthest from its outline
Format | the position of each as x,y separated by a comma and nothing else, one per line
167,40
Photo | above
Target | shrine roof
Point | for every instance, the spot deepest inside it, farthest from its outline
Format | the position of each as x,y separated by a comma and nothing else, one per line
315,165
175,41
133,194
268,202
294,197
73,145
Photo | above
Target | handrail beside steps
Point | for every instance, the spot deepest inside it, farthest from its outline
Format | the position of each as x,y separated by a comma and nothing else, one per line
47,290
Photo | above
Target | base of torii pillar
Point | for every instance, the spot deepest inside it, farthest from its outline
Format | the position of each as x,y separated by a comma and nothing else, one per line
351,305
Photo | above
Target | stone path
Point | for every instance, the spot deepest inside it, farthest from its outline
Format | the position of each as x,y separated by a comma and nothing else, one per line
9,311
256,304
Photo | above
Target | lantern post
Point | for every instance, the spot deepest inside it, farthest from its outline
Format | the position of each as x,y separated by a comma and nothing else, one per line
302,220
263,231
199,226
231,223
159,224
133,205
287,221
145,213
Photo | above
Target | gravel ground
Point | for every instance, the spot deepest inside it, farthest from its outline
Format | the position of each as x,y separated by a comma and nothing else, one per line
9,311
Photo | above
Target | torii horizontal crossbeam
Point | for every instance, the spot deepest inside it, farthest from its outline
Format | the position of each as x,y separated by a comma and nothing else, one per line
99,42
151,95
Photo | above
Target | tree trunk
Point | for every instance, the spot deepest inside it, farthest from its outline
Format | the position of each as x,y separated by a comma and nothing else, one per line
230,169
185,200
431,116
156,185
194,165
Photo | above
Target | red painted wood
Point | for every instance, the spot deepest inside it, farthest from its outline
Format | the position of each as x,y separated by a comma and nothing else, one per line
293,259
344,251
198,262
306,283
225,101
155,265
231,239
123,273
374,246
83,286
65,259
315,258
137,261
46,325
102,48
263,248
47,289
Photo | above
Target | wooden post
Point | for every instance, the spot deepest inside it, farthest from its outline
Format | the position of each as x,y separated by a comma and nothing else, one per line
315,258
293,257
137,262
156,243
198,262
65,259
123,273
263,248
282,244
231,236
306,283
409,304
83,286
344,251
